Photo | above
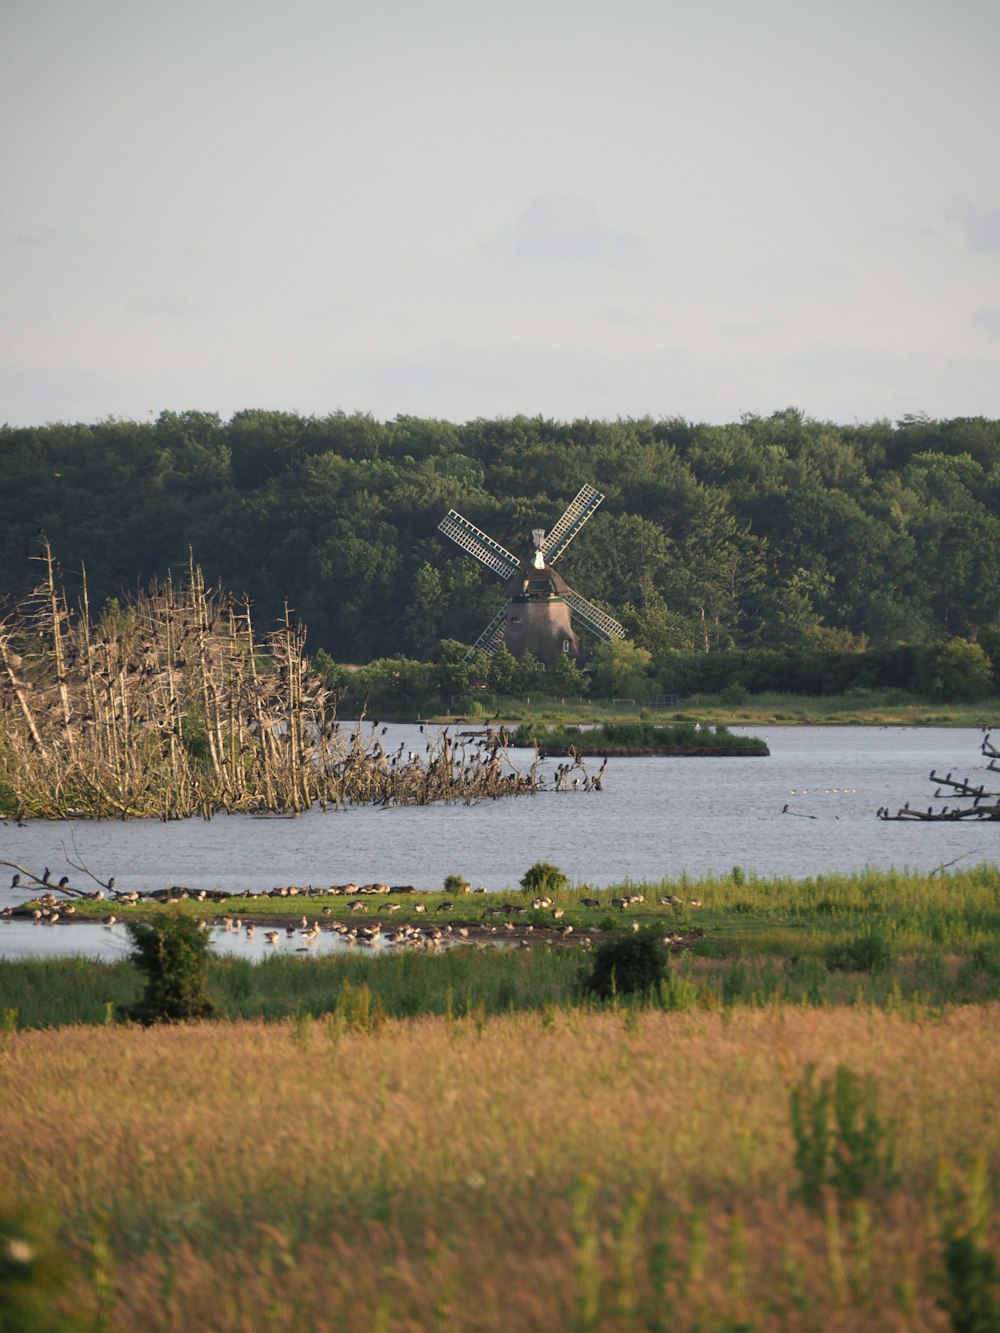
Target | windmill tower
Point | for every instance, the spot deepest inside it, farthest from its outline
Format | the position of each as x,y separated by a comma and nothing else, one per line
538,616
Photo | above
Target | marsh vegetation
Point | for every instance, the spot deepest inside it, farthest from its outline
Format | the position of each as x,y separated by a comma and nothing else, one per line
616,1170
787,1123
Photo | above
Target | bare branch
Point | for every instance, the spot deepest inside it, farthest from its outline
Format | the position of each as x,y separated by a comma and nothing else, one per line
82,866
43,881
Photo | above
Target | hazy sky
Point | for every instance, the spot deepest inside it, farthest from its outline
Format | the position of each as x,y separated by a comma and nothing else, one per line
456,208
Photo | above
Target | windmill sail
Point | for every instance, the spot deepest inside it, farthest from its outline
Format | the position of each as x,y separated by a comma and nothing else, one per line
603,625
472,539
577,513
492,636
538,618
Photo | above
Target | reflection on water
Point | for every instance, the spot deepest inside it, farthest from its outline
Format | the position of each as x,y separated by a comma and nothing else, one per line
655,818
84,939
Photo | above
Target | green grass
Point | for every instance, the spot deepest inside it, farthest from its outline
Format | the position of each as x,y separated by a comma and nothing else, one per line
958,910
879,937
868,708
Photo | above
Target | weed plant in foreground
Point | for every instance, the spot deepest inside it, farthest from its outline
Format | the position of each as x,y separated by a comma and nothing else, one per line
563,1170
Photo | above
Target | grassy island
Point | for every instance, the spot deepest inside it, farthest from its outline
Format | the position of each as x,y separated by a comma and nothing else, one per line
625,739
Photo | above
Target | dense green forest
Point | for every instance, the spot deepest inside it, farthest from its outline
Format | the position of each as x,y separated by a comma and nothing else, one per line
768,534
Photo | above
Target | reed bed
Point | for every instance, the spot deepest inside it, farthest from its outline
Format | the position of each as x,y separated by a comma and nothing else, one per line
462,982
562,1170
172,706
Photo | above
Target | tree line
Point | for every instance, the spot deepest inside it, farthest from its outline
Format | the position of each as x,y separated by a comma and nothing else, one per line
769,534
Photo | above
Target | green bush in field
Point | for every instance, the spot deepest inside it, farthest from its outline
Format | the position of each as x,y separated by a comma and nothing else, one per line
971,1277
543,877
869,952
172,953
839,1139
631,964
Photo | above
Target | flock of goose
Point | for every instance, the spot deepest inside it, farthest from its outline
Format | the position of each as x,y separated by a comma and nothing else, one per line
429,936
499,924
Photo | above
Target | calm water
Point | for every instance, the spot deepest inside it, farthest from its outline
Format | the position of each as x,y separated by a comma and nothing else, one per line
655,818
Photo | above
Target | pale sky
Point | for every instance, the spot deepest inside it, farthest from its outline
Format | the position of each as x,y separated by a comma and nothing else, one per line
455,208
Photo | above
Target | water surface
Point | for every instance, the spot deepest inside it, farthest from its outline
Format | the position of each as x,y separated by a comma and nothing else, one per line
655,818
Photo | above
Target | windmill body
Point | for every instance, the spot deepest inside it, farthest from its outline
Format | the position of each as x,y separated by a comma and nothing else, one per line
540,609
537,617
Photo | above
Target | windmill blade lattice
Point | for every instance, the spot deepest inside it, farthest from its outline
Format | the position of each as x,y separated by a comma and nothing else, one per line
472,539
492,636
603,625
578,511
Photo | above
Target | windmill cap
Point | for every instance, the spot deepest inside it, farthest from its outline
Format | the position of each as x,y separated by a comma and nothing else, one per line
534,574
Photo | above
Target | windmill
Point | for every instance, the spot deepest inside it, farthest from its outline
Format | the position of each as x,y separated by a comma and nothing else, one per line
538,617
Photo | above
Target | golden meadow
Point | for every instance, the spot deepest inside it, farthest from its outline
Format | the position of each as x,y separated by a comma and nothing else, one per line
796,1130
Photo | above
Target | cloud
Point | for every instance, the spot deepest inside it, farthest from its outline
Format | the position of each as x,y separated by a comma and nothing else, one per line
982,227
162,305
57,393
565,228
623,318
48,236
988,319
461,382
751,328
838,382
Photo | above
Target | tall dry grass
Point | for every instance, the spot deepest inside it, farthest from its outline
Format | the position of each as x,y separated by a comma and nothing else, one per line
564,1170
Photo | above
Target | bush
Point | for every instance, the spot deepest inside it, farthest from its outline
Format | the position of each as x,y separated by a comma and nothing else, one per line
628,965
869,952
544,878
971,1276
172,954
855,1155
955,671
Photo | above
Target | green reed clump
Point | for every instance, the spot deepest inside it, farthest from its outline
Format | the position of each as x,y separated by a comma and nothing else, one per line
971,1276
407,985
676,738
870,951
53,992
840,1141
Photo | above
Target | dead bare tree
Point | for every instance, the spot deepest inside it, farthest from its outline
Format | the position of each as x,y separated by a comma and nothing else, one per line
985,804
168,706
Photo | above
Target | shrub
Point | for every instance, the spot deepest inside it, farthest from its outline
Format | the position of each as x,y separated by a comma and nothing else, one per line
172,954
628,965
856,1153
869,952
454,883
971,1277
544,878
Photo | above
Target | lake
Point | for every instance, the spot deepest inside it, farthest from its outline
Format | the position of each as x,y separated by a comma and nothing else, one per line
655,818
